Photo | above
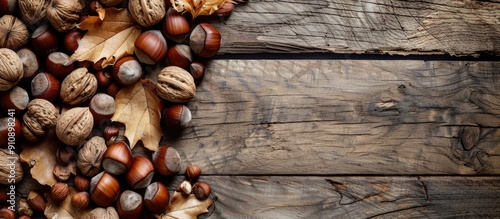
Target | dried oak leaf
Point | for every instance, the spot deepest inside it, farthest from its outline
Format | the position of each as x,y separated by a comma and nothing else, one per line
110,36
183,206
139,108
41,157
198,7
64,209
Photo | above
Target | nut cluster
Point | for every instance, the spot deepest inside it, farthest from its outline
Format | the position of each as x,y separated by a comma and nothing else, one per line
76,101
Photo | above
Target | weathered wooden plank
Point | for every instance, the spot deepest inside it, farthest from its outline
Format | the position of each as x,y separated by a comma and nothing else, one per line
345,117
460,27
355,197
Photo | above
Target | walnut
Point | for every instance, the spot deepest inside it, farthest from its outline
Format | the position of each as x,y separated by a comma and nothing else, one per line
33,11
11,69
175,84
78,87
74,125
13,32
102,213
40,117
64,14
9,161
90,156
147,12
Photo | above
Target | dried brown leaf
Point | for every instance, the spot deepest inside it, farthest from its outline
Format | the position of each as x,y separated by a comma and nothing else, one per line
138,107
198,7
41,157
64,209
110,36
188,207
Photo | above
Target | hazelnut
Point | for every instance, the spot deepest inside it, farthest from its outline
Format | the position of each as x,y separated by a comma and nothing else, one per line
45,86
117,159
78,87
13,33
56,64
80,200
59,192
201,190
6,127
81,182
16,99
44,41
102,107
36,201
179,55
33,11
225,9
11,68
6,213
151,47
104,189
64,154
176,117
62,173
184,187
40,117
141,173
197,70
175,85
205,40
63,14
147,12
104,79
129,204
113,89
30,63
176,26
127,71
167,161
71,40
156,197
74,125
90,156
193,172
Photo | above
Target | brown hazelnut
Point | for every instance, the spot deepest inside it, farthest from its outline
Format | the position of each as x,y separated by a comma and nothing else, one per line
197,70
74,125
104,78
205,40
11,69
56,63
13,33
6,213
102,107
9,126
156,197
44,41
81,182
175,85
151,47
64,154
117,159
16,99
94,5
104,189
127,71
225,9
40,117
80,200
129,204
141,173
113,89
176,26
33,11
167,161
30,63
24,217
63,14
62,173
180,56
71,40
176,117
59,192
193,172
36,201
45,86
90,156
147,12
201,190
78,87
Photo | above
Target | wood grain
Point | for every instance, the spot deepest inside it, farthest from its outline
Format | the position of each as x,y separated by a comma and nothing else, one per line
355,197
463,27
321,117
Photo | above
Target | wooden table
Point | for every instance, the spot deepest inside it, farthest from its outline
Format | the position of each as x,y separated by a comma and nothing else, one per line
305,113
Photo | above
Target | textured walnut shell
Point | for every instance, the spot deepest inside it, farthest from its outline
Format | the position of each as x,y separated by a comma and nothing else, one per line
175,84
78,87
13,32
6,157
64,14
40,117
147,12
90,156
11,69
74,125
102,213
33,11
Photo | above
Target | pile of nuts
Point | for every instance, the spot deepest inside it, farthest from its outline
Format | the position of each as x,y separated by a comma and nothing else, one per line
37,38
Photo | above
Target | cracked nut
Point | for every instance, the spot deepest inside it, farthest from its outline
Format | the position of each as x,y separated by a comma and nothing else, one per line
74,125
147,12
175,84
78,87
40,117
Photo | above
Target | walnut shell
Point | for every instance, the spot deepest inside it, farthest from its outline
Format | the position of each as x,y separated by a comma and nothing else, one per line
175,84
40,117
64,14
11,69
147,12
102,213
74,125
13,33
6,157
78,87
90,156
33,11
